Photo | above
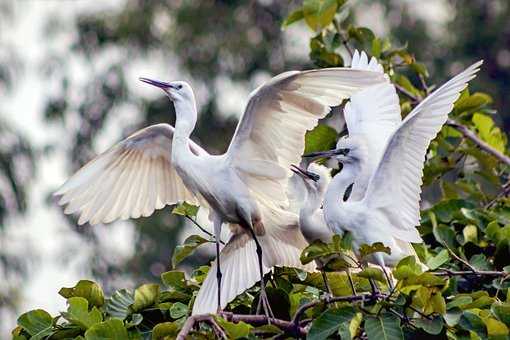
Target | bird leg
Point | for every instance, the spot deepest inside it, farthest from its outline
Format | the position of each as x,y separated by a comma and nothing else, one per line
263,300
326,283
390,282
348,271
217,233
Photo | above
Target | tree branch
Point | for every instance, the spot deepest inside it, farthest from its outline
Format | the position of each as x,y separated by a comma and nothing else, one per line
195,319
449,272
480,143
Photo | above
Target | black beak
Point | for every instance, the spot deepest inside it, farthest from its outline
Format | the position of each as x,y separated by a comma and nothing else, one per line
327,154
304,173
161,84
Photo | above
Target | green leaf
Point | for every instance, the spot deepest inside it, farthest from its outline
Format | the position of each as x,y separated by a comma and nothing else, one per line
434,326
470,234
496,329
444,235
136,319
293,17
174,279
441,258
145,296
365,249
89,290
184,250
407,268
185,209
372,273
112,329
472,322
234,330
78,313
38,323
471,102
165,330
321,138
386,327
502,311
119,304
459,301
489,132
329,321
315,250
178,310
319,13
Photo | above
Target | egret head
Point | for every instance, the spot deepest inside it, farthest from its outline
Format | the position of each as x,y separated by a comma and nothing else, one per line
316,177
176,90
348,150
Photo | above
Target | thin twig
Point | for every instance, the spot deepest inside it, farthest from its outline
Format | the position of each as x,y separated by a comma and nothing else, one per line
257,320
412,96
202,228
195,319
504,192
480,143
474,272
328,300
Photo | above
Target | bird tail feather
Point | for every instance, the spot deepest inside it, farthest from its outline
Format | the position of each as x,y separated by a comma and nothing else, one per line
239,265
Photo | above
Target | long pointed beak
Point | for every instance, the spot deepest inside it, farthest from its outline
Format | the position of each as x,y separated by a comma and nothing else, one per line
161,84
304,173
327,154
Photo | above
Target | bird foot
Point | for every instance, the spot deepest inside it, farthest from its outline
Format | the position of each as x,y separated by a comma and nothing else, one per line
263,304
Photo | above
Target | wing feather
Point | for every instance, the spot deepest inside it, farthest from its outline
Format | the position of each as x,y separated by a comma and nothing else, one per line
279,113
131,179
399,172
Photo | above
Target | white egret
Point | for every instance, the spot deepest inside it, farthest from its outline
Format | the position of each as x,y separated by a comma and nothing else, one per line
245,187
314,181
390,210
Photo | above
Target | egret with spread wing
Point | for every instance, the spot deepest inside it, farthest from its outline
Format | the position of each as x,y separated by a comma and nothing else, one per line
389,209
245,187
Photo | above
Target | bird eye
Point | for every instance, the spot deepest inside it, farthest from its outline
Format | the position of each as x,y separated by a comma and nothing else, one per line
179,87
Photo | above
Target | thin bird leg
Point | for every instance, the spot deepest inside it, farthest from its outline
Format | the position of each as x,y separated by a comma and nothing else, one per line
263,301
217,232
348,271
326,283
390,282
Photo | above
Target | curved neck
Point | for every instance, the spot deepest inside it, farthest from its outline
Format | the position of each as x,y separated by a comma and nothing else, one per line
186,119
313,200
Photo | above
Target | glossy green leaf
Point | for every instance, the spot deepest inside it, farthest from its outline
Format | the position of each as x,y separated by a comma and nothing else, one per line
165,330
366,250
489,132
38,323
184,250
145,296
112,329
119,304
372,273
502,311
385,327
185,209
329,321
321,138
89,290
293,17
432,326
178,310
319,13
441,258
78,313
234,330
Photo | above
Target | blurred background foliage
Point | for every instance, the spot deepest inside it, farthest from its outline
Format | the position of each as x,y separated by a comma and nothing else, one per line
210,43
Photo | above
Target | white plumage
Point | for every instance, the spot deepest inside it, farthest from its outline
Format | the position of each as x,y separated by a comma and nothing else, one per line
389,209
245,187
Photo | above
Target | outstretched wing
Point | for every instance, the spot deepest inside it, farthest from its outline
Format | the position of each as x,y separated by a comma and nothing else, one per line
373,112
131,179
270,134
395,187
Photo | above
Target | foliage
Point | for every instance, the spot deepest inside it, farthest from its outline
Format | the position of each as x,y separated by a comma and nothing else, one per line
466,229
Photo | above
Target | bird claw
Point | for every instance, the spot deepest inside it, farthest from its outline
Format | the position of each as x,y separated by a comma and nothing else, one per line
264,304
